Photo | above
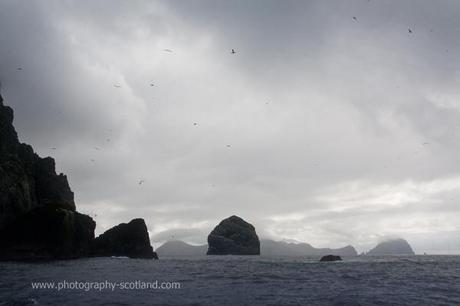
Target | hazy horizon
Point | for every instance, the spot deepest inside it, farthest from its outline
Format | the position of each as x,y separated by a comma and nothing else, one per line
333,123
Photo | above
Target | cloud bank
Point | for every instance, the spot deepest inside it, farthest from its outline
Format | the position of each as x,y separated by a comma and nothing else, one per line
321,127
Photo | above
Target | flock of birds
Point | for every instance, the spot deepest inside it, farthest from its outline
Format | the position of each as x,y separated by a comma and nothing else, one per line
232,51
140,182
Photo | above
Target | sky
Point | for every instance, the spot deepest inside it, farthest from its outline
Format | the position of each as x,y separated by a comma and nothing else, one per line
333,123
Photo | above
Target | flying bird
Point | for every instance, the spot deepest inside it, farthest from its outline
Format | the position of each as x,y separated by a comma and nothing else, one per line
141,182
167,50
233,51
53,148
355,19
116,85
229,146
92,160
19,68
195,123
409,30
96,148
151,84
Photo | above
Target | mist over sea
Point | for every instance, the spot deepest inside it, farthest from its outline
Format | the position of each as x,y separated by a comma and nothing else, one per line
238,280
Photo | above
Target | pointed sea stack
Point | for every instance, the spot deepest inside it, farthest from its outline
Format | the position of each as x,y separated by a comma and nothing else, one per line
233,236
126,239
392,247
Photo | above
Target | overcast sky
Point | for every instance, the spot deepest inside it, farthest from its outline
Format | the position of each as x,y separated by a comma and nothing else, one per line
321,128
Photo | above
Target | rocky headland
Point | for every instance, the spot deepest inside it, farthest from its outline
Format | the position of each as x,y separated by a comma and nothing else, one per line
38,216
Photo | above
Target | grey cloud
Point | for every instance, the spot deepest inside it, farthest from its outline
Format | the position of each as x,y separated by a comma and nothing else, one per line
311,102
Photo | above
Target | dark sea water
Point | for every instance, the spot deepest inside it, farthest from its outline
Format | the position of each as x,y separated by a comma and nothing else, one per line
233,280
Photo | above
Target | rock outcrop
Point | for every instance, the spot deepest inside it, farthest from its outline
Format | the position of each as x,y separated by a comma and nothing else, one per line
233,236
330,258
392,247
126,239
180,248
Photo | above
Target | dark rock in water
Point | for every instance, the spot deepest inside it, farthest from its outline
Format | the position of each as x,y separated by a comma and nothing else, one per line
26,180
180,248
392,247
126,239
330,258
233,236
47,233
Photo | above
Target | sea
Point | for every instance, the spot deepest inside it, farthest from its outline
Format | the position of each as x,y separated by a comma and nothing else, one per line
233,280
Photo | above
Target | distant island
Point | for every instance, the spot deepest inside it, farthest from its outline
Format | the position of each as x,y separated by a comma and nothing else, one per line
281,248
235,236
181,248
391,247
267,248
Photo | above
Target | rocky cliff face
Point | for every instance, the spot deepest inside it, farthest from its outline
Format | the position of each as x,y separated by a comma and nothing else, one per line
26,180
37,208
38,218
233,236
126,239
47,233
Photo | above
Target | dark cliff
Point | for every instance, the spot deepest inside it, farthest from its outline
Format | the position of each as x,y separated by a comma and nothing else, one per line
37,209
38,218
26,180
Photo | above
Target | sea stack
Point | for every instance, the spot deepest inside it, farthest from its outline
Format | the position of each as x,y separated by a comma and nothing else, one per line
126,239
233,236
392,247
